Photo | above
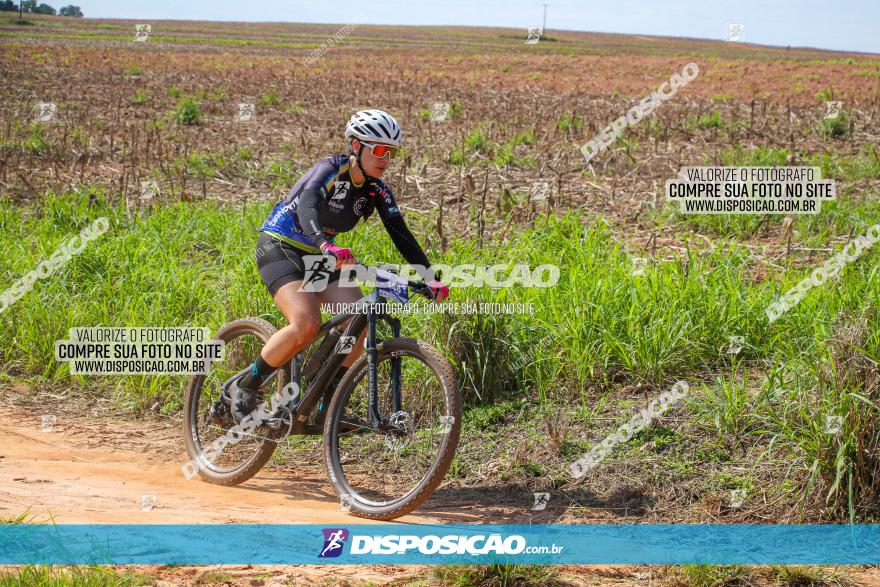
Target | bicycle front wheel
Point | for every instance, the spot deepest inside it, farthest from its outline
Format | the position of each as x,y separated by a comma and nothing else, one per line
383,470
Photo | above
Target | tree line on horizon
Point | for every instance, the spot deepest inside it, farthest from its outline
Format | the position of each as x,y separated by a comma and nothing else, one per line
31,7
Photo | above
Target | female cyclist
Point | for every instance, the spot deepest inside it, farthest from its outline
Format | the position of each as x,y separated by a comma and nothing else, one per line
332,197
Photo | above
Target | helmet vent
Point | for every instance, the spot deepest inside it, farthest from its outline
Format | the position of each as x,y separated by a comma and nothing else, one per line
374,126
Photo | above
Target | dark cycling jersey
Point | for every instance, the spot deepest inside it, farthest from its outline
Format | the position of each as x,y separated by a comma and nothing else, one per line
325,201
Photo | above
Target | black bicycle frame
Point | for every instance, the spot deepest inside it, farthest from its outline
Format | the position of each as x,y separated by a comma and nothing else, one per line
374,311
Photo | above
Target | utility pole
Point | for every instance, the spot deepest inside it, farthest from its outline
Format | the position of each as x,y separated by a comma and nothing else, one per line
544,25
20,6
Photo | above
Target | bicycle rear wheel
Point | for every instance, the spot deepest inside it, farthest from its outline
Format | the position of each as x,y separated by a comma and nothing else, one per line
219,454
383,472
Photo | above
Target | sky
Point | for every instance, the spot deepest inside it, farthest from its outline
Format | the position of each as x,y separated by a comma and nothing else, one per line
850,25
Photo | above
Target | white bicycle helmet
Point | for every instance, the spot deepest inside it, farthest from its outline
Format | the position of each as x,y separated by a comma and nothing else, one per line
374,126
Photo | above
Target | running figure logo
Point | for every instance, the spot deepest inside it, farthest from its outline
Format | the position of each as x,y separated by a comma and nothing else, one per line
318,271
345,345
341,190
334,540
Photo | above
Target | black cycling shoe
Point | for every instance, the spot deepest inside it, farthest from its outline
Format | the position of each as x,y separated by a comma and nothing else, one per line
243,401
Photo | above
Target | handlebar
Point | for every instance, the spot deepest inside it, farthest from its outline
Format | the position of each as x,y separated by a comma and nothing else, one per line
417,287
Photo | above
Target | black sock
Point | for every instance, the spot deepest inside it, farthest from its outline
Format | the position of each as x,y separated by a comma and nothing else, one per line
260,371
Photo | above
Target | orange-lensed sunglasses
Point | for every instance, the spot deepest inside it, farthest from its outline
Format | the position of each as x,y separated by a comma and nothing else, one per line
381,151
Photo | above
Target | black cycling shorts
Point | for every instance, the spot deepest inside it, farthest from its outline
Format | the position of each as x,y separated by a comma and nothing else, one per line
280,263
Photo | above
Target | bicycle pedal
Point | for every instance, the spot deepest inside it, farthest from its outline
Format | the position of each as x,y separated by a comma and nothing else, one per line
283,418
275,424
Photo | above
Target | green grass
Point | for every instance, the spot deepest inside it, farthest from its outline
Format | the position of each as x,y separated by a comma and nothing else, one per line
740,576
456,157
270,98
187,112
496,575
455,110
278,175
569,122
715,575
28,518
825,94
762,156
141,97
212,577
803,576
837,127
523,138
72,576
476,142
842,383
711,120
488,417
191,264
725,404
598,322
37,143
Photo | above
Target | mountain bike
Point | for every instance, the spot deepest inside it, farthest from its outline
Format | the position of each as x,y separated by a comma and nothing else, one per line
390,427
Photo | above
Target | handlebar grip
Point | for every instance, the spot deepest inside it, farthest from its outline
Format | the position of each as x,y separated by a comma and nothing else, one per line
421,288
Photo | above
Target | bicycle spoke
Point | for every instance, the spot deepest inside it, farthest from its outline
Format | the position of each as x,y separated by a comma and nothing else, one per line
238,354
382,465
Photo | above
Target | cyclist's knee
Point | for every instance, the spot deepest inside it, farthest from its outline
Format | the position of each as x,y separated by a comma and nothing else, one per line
307,328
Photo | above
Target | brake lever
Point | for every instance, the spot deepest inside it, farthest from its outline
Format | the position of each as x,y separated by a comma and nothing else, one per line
422,289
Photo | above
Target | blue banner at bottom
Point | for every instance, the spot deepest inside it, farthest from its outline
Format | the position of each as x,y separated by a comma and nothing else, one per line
198,544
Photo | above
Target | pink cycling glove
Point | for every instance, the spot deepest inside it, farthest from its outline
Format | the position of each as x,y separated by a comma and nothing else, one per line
343,256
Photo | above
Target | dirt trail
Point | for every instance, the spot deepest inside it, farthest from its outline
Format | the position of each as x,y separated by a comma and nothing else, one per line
95,470
79,473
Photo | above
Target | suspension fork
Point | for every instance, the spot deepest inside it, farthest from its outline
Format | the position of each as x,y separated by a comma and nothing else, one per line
370,342
395,369
372,354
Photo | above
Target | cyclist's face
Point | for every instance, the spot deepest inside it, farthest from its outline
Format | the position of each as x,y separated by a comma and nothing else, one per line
374,166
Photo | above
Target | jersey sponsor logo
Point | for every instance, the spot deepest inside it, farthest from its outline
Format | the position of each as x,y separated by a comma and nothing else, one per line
281,213
386,195
359,206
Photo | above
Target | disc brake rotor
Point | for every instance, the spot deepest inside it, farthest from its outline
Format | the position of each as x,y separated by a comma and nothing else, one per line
403,421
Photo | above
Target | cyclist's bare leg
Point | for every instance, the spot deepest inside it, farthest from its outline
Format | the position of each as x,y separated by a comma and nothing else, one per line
336,294
302,310
303,323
